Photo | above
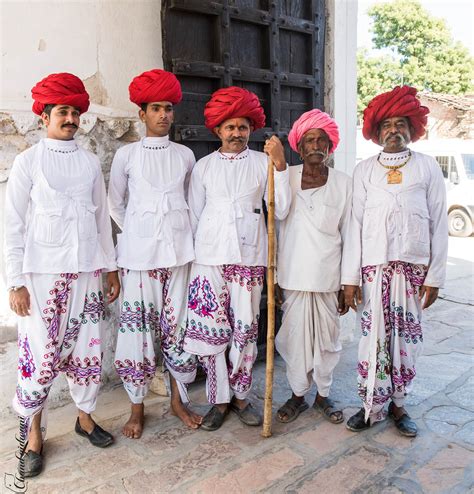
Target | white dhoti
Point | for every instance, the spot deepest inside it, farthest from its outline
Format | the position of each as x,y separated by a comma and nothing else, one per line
61,334
308,340
153,308
223,313
390,321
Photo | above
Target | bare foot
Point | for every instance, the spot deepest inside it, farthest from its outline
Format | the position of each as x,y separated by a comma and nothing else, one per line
35,439
86,422
134,426
188,417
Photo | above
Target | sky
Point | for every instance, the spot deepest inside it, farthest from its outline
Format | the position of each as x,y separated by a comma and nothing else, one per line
457,13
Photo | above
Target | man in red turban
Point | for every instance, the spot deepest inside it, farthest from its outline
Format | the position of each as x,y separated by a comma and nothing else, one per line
397,251
60,89
226,280
58,238
155,248
310,244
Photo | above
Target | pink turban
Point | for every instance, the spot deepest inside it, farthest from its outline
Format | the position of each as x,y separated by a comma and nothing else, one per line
314,119
60,89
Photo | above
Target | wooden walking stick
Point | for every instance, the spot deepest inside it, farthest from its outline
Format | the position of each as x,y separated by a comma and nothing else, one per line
267,408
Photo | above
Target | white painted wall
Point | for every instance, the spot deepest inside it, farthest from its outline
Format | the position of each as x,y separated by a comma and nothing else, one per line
341,78
105,43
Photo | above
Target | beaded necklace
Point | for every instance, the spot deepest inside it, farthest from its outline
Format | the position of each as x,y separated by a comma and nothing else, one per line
394,175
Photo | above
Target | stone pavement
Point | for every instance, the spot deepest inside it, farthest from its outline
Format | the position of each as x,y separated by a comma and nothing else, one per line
309,455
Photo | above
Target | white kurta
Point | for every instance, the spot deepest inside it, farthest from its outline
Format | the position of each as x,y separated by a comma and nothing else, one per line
56,215
310,244
225,200
405,222
311,237
156,232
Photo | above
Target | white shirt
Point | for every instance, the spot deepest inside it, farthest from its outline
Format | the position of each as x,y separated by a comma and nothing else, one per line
56,215
311,237
404,222
225,200
156,232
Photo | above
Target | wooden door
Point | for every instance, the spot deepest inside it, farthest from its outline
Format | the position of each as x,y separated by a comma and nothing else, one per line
273,48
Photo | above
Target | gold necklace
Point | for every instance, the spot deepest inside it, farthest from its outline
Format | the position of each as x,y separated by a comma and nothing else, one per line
394,175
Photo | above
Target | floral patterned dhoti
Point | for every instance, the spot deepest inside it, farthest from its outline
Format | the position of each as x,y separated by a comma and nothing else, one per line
223,312
61,334
390,322
153,307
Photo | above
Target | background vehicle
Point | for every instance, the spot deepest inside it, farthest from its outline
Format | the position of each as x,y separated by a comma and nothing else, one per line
456,159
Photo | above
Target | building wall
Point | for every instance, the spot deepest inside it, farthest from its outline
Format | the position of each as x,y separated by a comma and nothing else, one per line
107,43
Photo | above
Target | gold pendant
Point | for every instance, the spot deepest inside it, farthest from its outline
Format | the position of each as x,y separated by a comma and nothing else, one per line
394,177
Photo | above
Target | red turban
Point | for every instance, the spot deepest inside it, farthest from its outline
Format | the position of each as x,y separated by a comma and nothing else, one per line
399,102
60,89
155,85
233,102
314,119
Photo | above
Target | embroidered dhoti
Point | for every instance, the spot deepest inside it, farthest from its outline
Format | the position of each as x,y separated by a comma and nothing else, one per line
390,322
61,334
153,307
223,313
308,340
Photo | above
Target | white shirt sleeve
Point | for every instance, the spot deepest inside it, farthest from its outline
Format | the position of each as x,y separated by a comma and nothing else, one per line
196,196
16,207
282,193
352,241
102,217
437,208
190,162
118,185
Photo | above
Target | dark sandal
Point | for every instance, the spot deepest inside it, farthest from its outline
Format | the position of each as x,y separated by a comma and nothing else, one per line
32,463
213,419
292,408
404,424
328,410
247,415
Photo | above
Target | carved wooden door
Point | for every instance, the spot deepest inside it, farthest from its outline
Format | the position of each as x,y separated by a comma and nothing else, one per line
273,48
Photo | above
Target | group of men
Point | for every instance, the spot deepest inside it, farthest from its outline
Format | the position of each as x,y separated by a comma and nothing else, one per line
190,260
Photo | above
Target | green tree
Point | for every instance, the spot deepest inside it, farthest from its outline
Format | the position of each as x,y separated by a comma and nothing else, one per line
418,50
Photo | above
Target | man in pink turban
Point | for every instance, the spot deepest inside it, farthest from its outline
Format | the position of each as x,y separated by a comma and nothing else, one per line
396,255
147,199
58,240
225,200
310,244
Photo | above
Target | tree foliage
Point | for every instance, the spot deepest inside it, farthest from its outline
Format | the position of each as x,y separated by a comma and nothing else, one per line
416,49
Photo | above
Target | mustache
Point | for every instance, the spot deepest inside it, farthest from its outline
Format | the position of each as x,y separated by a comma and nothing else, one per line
400,136
69,125
318,153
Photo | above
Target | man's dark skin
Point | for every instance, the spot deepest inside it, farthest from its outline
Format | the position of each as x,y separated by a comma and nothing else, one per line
394,136
314,149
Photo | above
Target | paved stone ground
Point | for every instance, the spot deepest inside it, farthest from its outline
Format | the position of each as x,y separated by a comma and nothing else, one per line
309,455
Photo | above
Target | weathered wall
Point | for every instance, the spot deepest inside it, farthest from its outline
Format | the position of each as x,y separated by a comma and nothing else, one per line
104,43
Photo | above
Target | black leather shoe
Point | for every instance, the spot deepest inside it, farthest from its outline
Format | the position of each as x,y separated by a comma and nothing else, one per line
32,464
213,419
404,424
98,437
357,422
